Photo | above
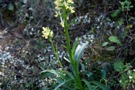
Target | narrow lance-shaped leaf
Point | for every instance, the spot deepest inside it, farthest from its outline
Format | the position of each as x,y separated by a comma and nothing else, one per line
114,14
110,48
55,72
105,44
79,51
61,84
88,84
74,46
115,39
100,85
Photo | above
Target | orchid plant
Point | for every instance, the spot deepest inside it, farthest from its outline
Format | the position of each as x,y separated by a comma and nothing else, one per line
69,80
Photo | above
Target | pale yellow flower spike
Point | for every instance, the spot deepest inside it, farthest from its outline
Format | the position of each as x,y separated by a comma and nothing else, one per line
66,5
70,1
57,3
51,34
56,14
71,9
62,23
46,33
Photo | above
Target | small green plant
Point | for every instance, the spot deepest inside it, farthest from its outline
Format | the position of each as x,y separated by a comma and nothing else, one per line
65,79
127,77
123,10
125,6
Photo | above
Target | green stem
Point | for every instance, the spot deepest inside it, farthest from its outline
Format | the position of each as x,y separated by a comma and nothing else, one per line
67,36
56,53
73,62
57,56
78,79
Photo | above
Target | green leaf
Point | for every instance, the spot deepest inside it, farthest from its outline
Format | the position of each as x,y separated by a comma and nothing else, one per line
70,75
119,66
89,74
114,39
45,73
111,48
74,46
88,84
105,44
67,59
124,80
121,21
61,84
103,87
79,51
123,34
114,14
60,77
103,73
82,66
57,73
65,47
10,7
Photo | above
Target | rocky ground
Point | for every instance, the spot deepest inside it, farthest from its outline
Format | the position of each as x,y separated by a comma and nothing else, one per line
19,66
22,60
